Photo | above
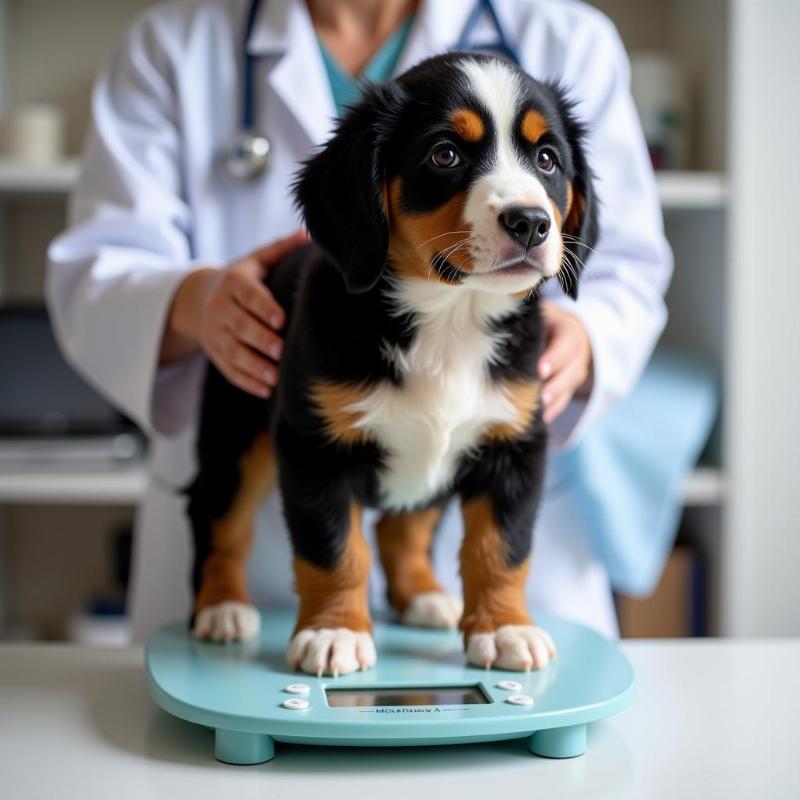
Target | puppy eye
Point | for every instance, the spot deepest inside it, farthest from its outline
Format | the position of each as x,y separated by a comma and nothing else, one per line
546,160
445,157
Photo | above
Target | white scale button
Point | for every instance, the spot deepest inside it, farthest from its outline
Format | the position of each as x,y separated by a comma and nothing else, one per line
520,700
299,688
510,686
296,704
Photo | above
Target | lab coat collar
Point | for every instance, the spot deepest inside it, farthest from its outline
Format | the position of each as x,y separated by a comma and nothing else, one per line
436,29
283,28
272,27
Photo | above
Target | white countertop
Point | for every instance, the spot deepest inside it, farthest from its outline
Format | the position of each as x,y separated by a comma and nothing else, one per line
711,719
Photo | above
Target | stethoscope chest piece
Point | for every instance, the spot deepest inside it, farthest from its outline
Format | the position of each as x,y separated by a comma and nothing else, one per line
246,158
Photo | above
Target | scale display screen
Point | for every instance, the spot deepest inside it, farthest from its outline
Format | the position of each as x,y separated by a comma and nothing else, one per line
406,696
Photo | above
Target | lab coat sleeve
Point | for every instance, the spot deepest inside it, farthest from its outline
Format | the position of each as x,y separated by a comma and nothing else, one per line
621,294
113,273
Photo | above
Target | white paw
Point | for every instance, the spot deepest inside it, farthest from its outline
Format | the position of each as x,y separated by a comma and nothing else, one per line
433,610
331,651
512,647
227,622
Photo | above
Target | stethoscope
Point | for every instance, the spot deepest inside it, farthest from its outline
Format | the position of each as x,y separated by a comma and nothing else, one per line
247,156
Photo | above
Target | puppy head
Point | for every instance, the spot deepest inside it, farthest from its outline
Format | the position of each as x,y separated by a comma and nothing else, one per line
464,171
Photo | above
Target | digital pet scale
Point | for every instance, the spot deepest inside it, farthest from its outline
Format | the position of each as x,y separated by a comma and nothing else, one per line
421,692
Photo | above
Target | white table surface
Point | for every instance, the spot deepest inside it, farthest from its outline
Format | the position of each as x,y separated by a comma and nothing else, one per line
711,720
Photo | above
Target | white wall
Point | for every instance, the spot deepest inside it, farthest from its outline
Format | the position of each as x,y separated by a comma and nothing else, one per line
56,49
762,548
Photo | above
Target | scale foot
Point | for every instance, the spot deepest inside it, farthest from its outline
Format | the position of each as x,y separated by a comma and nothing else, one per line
559,742
235,747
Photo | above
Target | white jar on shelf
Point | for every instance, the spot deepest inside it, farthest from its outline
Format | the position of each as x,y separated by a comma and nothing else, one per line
35,133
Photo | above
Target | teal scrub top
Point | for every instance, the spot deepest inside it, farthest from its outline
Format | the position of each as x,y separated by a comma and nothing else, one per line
344,87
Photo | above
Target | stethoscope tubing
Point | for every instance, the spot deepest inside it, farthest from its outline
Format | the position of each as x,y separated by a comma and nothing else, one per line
248,155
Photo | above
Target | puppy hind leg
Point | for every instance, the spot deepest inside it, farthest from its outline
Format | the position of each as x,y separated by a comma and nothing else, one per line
222,610
404,545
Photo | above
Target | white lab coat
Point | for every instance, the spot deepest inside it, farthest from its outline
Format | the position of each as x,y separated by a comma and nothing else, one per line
150,207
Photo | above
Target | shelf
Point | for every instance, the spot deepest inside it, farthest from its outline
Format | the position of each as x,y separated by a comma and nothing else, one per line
17,177
704,487
678,189
123,486
691,190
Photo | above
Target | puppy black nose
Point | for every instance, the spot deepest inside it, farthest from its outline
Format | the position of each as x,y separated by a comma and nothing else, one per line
526,226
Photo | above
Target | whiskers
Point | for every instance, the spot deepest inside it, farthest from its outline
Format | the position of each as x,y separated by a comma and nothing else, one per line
570,261
440,258
440,236
440,261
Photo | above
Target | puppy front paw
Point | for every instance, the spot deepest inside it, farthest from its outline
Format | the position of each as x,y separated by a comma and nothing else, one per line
227,622
331,651
433,610
517,647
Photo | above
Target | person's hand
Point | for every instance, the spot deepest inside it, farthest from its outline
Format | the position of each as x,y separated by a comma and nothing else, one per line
566,364
240,319
233,317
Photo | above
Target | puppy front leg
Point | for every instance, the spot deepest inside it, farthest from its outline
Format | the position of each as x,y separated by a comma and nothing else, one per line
499,511
331,564
498,630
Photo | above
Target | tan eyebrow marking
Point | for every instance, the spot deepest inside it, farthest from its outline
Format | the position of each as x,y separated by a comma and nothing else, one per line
467,124
534,126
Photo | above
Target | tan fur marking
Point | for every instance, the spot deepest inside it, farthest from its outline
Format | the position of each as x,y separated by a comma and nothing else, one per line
556,213
224,572
534,126
332,402
404,543
525,397
494,593
467,124
416,238
336,598
575,205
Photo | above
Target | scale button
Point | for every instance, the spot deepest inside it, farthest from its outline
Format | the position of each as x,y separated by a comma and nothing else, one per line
520,700
296,704
510,686
299,688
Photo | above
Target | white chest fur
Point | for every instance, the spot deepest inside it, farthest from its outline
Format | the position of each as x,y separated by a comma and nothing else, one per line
446,401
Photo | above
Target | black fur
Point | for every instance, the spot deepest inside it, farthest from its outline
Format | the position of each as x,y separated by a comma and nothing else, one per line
340,319
347,183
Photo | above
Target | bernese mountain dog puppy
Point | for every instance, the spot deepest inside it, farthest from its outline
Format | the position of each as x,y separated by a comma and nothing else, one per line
443,201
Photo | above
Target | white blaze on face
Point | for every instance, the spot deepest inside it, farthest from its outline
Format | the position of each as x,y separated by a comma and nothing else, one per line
507,182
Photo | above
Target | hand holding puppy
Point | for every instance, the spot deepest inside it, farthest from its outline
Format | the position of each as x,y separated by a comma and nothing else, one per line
233,317
566,364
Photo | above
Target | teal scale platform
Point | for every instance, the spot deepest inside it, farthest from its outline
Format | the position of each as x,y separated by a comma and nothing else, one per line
238,690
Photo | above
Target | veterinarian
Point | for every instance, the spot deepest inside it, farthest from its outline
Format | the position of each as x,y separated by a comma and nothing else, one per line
161,265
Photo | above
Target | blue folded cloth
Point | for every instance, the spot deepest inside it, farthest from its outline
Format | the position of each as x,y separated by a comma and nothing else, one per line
630,467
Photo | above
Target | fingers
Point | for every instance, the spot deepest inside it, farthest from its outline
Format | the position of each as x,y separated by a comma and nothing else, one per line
241,318
246,288
559,390
244,367
560,349
250,331
566,362
243,358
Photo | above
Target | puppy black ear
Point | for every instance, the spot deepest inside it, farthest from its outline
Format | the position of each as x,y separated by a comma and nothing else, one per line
341,190
580,227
